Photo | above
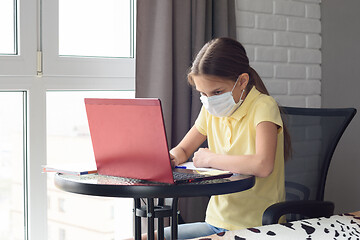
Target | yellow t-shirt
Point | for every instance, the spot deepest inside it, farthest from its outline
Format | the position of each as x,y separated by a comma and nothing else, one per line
235,135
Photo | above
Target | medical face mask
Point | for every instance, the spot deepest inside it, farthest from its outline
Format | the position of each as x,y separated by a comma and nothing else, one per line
222,105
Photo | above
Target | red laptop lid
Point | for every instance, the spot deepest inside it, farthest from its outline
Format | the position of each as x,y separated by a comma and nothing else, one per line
128,137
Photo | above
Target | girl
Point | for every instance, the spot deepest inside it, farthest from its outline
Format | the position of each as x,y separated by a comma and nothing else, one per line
245,135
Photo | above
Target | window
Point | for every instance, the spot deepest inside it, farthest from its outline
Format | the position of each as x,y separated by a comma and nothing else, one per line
46,71
101,31
68,141
84,39
8,27
11,165
18,33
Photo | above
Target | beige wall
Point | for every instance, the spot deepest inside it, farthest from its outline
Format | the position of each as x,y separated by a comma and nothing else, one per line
340,87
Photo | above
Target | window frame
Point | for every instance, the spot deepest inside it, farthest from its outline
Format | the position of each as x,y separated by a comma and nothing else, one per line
19,73
25,60
79,66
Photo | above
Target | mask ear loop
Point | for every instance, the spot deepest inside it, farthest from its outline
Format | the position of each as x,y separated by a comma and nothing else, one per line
242,92
235,85
240,100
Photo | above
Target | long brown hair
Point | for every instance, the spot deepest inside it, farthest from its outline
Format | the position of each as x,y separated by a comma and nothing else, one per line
226,58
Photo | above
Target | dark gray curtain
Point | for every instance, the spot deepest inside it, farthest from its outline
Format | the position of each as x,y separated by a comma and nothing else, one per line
169,33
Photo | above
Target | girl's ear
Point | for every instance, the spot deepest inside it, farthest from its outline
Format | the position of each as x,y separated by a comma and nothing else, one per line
244,80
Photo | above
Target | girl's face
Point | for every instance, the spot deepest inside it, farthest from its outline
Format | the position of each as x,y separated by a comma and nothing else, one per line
211,85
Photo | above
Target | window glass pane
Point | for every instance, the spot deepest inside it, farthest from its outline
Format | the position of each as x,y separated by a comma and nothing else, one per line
11,166
7,27
75,216
95,28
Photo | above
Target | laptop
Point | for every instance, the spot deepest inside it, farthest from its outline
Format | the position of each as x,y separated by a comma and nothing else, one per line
129,141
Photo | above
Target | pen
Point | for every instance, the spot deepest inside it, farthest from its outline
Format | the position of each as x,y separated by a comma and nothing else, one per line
183,167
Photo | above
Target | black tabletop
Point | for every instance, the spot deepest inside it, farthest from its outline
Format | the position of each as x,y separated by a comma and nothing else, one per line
101,185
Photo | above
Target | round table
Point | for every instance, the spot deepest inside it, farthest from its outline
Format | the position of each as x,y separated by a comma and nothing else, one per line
109,186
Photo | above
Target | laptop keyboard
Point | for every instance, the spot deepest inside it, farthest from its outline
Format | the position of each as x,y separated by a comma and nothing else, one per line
185,176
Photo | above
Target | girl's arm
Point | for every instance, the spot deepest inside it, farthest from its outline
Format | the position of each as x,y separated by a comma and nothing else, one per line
181,153
260,164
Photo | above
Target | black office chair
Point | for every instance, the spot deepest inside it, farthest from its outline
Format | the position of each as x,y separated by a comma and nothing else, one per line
314,133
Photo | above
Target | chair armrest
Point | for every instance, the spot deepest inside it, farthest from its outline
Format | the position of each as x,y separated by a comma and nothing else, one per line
308,208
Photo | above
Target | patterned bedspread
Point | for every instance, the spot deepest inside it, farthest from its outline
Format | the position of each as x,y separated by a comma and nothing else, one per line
342,226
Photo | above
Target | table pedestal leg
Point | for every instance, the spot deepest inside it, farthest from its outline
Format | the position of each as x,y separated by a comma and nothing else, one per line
160,231
150,212
137,219
174,219
150,218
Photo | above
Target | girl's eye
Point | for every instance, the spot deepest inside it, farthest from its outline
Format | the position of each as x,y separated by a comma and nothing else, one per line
217,92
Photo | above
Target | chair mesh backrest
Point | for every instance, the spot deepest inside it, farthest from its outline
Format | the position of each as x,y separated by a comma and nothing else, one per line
314,134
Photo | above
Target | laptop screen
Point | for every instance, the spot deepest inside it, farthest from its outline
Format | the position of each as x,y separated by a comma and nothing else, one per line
129,139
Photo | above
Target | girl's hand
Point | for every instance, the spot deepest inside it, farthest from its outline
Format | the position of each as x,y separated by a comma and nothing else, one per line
202,157
173,161
181,153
